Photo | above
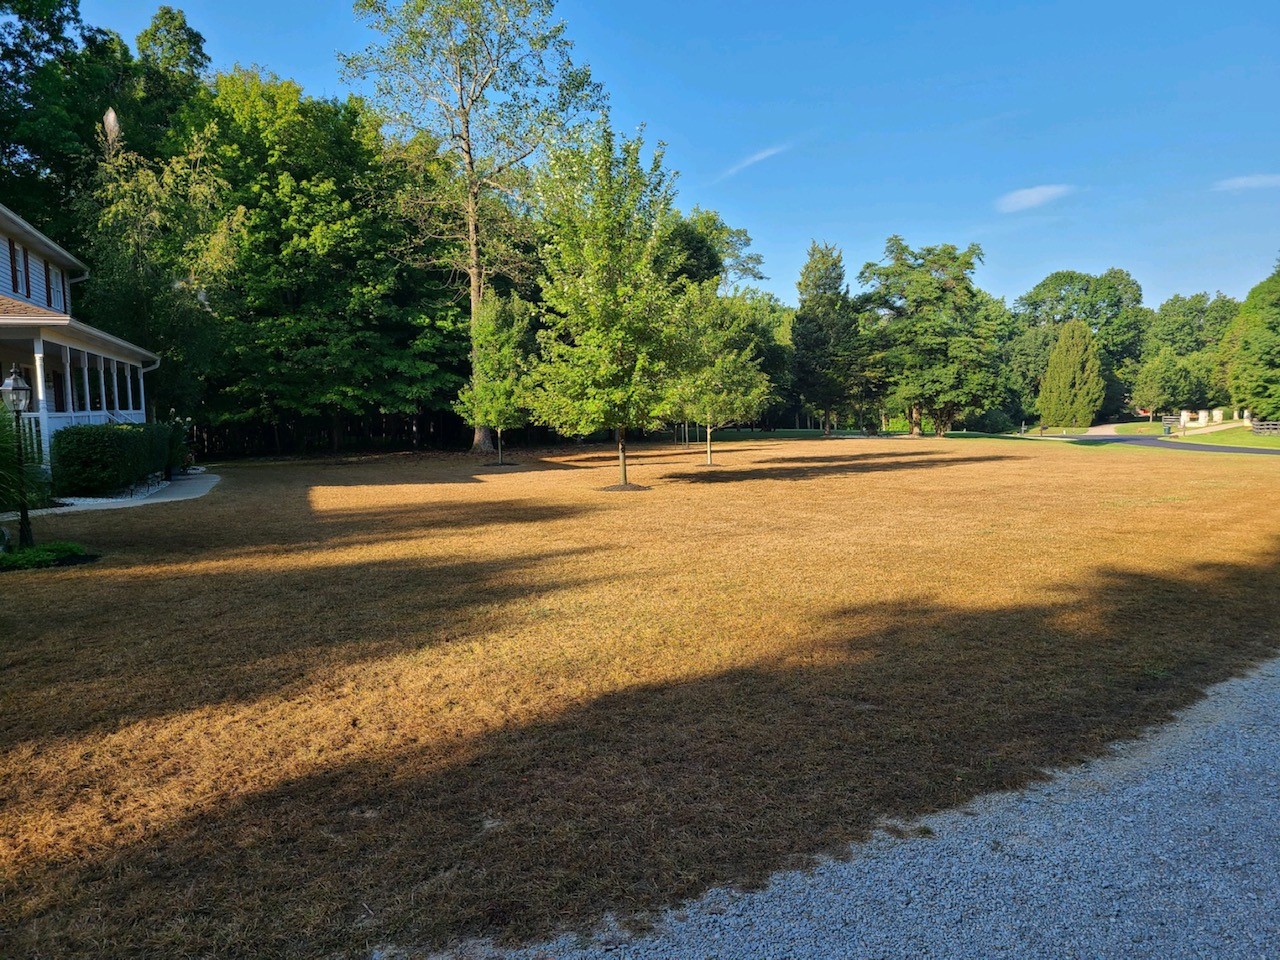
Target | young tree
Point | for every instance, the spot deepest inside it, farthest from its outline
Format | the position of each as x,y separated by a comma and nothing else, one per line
491,81
608,343
497,394
1073,388
719,379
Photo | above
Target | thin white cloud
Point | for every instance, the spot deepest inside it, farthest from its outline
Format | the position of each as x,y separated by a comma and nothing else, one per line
752,160
1256,181
1031,197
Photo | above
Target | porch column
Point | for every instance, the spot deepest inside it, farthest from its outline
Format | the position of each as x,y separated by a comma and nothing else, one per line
115,387
128,384
42,403
142,393
102,383
68,395
84,376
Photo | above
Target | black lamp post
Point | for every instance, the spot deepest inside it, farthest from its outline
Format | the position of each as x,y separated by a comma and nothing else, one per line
17,398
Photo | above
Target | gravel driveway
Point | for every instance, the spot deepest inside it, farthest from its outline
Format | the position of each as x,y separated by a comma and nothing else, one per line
1168,848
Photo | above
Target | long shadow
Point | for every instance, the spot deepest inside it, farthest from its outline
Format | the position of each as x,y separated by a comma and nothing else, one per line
808,469
846,458
234,637
649,796
249,592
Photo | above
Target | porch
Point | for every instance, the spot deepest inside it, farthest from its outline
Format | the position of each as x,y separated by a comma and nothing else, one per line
78,375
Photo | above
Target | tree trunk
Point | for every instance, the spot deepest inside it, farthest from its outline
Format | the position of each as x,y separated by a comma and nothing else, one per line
708,441
500,461
335,433
622,455
914,417
482,440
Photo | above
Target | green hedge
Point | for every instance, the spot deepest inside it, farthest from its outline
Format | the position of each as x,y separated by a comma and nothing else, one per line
99,460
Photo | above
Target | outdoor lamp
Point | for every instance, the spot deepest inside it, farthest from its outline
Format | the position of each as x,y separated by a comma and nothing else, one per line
16,392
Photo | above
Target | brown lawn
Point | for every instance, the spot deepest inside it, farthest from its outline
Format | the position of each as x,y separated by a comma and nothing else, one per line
409,699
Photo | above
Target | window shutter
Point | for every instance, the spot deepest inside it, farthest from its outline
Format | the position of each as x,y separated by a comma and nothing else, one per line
48,286
66,297
26,271
13,264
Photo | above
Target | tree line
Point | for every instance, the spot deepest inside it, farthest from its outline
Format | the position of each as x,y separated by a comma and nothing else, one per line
474,241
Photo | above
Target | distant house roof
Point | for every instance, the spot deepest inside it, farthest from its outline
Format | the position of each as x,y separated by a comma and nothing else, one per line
14,226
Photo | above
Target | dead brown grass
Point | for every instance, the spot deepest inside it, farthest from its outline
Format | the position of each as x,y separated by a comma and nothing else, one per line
413,698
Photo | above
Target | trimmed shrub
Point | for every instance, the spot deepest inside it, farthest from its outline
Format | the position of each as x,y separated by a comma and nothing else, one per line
102,459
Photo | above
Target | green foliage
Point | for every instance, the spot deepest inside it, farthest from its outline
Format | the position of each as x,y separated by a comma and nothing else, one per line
1025,358
502,351
1110,304
717,377
43,555
1252,351
726,246
1168,382
1073,388
492,82
940,331
170,44
608,344
103,459
822,273
1186,325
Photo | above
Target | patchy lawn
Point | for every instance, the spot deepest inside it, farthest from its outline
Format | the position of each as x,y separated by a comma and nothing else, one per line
397,701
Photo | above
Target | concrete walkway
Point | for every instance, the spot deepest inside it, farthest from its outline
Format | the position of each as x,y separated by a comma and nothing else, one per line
186,486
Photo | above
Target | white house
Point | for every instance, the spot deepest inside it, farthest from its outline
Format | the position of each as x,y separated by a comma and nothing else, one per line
78,373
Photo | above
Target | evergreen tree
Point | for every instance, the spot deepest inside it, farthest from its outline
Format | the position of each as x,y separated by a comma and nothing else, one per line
940,330
1073,388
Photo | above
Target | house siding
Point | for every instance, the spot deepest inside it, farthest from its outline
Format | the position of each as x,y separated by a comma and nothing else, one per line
39,281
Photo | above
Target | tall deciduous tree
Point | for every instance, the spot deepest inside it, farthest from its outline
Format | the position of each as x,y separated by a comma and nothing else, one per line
492,81
607,348
1073,388
1252,350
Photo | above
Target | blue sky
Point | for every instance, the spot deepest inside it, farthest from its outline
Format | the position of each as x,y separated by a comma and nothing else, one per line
1074,135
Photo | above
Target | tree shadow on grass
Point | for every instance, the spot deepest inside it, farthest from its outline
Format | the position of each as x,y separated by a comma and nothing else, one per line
808,468
235,637
643,798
